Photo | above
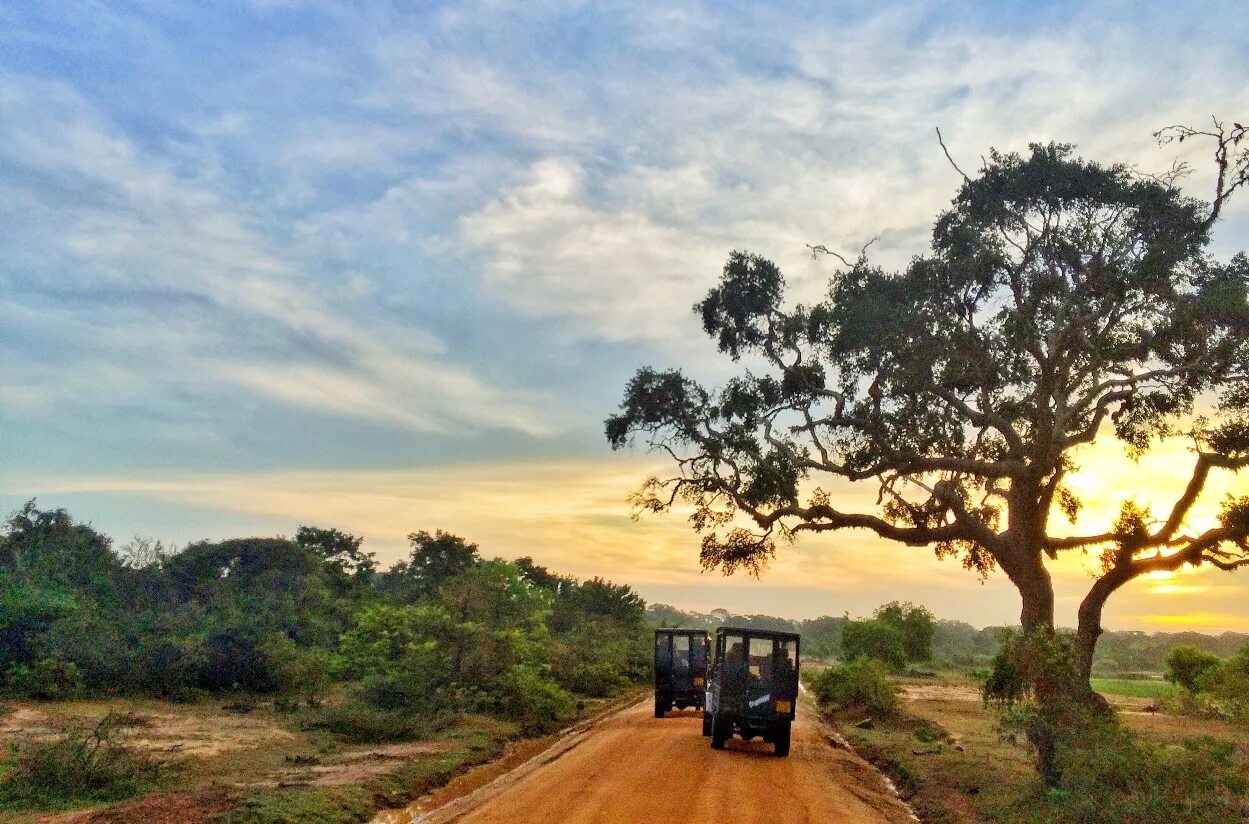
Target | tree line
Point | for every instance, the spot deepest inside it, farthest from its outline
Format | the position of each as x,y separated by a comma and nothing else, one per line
953,644
444,631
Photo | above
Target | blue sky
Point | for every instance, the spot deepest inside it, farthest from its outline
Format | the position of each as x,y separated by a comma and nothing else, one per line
262,259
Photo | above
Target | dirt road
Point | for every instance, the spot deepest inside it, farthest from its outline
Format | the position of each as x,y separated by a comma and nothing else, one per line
634,767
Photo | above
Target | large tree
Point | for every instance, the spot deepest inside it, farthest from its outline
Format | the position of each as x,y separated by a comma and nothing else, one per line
1062,301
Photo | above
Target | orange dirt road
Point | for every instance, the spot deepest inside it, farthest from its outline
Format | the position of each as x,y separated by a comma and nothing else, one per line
633,767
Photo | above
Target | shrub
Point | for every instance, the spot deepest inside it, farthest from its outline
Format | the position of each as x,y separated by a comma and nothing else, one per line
80,765
598,679
48,679
1190,667
533,700
863,683
1110,776
874,638
360,723
298,672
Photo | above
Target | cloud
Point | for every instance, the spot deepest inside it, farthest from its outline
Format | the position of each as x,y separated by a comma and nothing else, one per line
619,228
156,275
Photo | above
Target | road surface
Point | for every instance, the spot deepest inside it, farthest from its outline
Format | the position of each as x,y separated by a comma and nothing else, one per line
633,767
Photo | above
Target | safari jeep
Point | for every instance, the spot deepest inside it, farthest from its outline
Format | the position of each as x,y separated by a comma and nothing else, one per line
680,669
753,687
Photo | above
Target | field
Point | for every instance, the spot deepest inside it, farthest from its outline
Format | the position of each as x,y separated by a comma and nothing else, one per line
952,763
1139,688
245,762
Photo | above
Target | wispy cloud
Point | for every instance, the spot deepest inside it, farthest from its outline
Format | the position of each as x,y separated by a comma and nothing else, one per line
102,219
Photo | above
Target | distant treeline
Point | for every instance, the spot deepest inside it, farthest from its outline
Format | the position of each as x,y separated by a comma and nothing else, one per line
958,644
443,632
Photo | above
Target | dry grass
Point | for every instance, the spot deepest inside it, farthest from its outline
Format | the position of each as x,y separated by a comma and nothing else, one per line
260,761
952,764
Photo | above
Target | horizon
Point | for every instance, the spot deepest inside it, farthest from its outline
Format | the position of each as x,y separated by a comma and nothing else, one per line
267,264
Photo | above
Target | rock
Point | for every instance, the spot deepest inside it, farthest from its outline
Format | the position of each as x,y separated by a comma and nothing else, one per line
866,724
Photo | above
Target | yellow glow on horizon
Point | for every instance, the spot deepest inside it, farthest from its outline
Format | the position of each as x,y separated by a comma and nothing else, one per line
1197,620
572,515
1179,589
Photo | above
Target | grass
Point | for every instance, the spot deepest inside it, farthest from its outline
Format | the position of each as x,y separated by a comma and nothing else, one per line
80,765
953,764
261,766
1134,688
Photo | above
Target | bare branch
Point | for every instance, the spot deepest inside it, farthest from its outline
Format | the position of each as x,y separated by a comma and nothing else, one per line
941,140
820,249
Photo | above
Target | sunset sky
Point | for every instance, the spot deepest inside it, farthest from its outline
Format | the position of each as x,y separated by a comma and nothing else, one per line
387,266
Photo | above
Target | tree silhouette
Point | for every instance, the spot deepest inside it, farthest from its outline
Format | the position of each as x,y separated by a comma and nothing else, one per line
1061,301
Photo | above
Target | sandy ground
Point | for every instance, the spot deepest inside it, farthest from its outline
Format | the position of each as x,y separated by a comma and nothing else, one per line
1129,704
163,734
633,767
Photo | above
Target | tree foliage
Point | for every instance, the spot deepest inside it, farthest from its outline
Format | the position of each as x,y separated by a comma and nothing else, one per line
442,632
1189,667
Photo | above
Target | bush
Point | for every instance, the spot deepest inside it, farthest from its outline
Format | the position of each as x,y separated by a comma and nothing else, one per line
48,679
862,683
298,672
530,698
79,765
1190,667
359,723
1110,776
874,638
597,679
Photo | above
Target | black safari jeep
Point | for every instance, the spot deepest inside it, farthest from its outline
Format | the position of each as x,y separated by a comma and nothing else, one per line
753,687
680,669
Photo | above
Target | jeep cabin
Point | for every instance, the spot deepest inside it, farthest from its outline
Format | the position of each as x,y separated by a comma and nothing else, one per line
753,687
680,669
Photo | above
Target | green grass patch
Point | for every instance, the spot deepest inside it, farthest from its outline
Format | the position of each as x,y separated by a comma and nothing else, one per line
1134,688
313,805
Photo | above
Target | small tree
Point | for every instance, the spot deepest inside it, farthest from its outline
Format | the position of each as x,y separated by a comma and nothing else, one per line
916,625
1189,667
435,559
876,639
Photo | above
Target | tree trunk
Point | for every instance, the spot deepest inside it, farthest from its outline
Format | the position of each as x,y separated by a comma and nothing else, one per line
1089,628
1036,591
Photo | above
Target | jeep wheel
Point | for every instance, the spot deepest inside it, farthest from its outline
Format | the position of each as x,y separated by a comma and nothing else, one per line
660,709
781,737
706,723
721,731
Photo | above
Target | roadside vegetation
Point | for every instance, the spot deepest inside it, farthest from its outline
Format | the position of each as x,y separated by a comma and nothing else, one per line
324,660
960,743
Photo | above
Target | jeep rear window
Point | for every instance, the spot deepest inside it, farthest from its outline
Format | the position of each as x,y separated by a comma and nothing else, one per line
760,657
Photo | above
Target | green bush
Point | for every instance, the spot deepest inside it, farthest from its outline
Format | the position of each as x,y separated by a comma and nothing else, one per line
318,805
359,723
298,672
1109,776
874,638
533,700
862,683
1190,667
48,679
79,765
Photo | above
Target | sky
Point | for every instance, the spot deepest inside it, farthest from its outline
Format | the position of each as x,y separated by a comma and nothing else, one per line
387,266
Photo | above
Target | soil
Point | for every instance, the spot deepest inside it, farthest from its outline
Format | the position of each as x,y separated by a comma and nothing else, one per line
635,767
